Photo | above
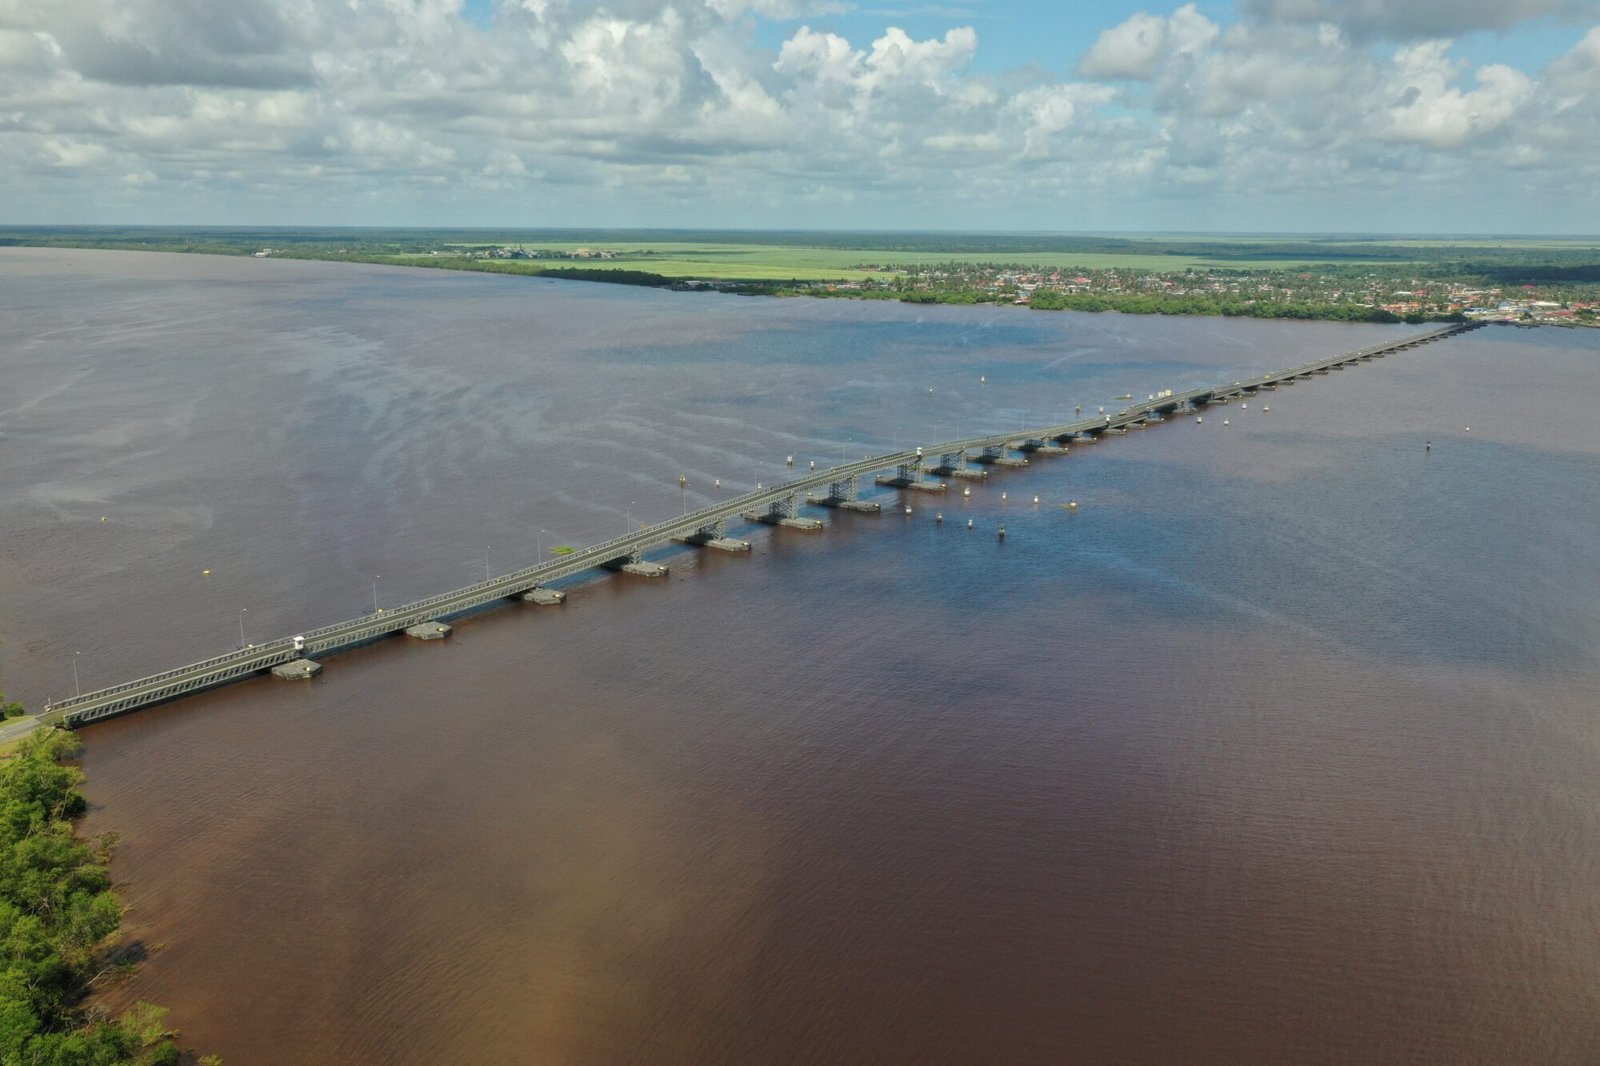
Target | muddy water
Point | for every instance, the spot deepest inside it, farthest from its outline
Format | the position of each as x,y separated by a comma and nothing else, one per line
1284,746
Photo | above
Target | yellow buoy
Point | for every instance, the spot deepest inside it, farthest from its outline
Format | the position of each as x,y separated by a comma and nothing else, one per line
102,518
205,573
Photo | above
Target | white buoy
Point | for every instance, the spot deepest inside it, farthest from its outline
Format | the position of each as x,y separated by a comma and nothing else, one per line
1198,420
1036,501
1267,408
938,518
1002,532
966,490
1243,406
908,508
813,464
969,523
1072,505
1002,497
1469,429
982,380
790,460
719,482
1225,422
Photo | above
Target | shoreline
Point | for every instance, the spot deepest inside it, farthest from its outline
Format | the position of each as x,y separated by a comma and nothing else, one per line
1183,305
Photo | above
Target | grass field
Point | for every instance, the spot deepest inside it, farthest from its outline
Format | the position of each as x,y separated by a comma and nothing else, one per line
806,256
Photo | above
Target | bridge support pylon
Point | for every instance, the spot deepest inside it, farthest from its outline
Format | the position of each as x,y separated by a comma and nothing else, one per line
634,563
910,476
995,455
784,511
954,464
715,535
844,494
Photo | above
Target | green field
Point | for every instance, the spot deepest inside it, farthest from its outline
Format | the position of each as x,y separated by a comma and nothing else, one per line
774,258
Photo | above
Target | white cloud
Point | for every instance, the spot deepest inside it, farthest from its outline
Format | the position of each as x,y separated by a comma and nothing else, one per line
1144,43
1417,19
1432,111
672,109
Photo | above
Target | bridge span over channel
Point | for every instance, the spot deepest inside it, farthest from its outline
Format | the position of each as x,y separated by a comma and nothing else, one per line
838,486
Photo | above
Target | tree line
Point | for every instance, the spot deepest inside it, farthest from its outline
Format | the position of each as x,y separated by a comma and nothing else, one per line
59,922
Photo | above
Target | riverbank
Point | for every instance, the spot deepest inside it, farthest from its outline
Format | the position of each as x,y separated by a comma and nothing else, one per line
60,921
1369,279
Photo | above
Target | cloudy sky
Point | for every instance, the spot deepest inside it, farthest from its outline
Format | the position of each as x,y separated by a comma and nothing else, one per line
1443,116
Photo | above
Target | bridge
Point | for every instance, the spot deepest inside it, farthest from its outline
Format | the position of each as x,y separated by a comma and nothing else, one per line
779,504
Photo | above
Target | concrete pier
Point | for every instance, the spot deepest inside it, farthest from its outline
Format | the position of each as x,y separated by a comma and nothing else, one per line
965,473
809,525
428,631
904,483
863,506
644,569
544,597
298,670
724,544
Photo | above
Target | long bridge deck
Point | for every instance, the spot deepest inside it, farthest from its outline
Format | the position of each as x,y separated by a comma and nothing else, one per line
775,503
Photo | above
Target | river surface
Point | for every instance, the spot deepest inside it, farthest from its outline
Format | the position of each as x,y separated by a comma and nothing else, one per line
1283,747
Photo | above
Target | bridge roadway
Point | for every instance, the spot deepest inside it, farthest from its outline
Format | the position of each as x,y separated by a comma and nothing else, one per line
247,662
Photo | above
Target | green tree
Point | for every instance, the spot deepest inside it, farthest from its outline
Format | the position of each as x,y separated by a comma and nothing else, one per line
58,922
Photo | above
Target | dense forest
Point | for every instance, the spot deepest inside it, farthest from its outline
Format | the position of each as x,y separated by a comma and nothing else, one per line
59,923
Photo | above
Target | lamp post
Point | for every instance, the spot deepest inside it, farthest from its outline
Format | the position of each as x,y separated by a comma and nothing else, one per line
375,592
539,540
75,686
485,562
242,610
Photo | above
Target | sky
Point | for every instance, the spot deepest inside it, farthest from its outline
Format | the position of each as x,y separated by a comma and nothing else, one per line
1238,116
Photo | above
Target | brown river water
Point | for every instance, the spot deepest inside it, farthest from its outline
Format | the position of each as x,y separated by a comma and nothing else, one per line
1284,747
